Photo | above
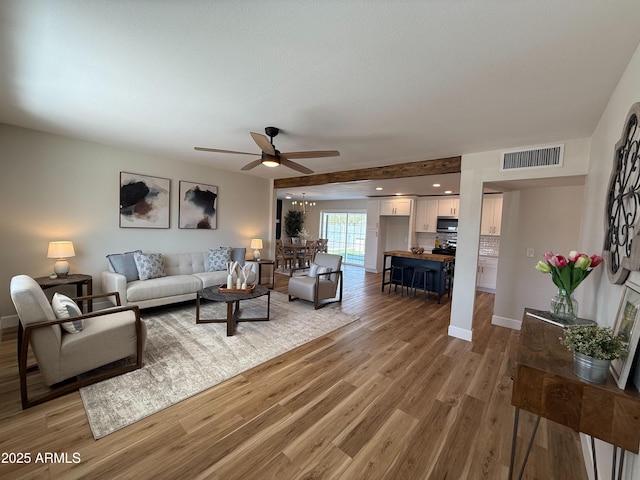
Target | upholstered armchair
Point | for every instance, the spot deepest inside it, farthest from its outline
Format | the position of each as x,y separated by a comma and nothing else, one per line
322,284
105,337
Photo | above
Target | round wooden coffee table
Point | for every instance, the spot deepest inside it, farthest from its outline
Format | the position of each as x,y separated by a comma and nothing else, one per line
233,314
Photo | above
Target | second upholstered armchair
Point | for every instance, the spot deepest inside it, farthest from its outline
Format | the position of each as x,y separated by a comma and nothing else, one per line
323,282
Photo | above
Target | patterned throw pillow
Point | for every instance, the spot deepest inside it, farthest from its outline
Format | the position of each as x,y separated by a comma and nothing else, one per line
64,307
218,259
149,265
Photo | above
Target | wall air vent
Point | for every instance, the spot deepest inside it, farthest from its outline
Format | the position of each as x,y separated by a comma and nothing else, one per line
538,157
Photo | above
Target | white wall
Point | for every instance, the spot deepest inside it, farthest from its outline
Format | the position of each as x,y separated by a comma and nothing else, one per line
605,296
478,169
543,219
58,188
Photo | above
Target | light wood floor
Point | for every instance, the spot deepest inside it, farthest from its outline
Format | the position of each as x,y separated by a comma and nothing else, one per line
389,396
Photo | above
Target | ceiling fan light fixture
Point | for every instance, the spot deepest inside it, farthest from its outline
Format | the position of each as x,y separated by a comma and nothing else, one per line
267,162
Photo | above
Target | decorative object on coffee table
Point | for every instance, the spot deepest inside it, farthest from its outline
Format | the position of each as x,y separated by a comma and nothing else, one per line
61,250
627,328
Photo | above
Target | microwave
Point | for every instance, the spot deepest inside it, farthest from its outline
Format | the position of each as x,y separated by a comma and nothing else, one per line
447,225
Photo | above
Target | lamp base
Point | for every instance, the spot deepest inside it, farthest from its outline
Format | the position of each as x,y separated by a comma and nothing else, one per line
256,254
61,268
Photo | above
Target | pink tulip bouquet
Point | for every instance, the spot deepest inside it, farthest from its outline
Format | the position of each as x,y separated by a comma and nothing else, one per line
568,272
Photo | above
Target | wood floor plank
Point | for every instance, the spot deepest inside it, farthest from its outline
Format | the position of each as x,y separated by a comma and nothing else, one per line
390,396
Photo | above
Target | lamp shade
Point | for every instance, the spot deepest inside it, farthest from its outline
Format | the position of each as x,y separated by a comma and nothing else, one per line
256,243
61,250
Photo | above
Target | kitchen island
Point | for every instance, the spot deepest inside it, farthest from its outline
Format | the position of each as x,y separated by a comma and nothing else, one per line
439,278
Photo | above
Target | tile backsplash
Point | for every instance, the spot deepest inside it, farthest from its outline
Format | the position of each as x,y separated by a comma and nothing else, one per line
489,244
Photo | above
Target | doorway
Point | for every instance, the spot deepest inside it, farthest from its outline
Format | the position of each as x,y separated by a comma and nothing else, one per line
346,233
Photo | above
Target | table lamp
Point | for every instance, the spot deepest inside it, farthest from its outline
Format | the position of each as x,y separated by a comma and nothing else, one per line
61,251
256,245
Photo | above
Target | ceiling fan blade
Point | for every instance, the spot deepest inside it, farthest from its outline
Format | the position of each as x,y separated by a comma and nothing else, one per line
217,150
295,166
264,143
312,154
251,165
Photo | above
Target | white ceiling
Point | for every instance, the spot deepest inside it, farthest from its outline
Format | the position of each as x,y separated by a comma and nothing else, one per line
382,82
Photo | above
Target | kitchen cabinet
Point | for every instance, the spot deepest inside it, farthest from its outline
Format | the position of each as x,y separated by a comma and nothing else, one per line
396,206
491,215
426,215
373,214
487,273
449,207
372,262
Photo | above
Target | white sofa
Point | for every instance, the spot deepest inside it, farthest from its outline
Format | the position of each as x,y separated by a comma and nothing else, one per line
185,275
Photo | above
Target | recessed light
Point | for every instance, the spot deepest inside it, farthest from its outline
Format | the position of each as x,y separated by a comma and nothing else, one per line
288,197
448,191
398,194
436,184
378,188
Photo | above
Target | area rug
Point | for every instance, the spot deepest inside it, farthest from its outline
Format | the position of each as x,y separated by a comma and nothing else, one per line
182,359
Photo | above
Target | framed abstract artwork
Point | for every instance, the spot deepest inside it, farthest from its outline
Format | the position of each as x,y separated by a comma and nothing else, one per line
628,327
144,201
198,206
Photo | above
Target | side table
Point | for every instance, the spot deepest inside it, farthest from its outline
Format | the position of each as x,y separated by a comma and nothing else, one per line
77,279
266,261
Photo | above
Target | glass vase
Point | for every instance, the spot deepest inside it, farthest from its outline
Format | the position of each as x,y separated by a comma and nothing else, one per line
564,306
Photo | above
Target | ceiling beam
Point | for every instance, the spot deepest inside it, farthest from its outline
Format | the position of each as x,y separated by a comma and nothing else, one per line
400,170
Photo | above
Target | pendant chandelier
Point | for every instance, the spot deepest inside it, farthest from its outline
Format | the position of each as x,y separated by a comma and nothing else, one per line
303,205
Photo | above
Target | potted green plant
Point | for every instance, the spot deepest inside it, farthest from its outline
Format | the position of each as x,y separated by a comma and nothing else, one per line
593,349
293,223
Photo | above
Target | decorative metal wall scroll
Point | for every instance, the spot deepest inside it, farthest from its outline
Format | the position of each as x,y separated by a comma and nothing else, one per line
622,217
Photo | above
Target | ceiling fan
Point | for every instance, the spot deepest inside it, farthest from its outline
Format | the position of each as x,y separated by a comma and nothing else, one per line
271,157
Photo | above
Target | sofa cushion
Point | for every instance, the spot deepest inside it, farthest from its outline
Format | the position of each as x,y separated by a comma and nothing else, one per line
149,265
162,287
64,307
218,259
124,264
211,279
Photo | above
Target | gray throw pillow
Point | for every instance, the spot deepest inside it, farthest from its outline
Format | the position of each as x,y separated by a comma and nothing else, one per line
238,254
149,265
124,264
218,259
64,307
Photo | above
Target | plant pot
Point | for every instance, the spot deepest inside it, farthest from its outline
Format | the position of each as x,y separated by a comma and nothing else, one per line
564,306
590,369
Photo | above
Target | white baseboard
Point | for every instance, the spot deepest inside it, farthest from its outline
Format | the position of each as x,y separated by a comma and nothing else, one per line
506,322
8,321
460,333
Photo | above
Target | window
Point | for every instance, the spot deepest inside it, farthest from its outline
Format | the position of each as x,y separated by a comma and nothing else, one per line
345,232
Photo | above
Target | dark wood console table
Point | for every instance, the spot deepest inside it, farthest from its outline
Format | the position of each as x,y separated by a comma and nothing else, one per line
545,385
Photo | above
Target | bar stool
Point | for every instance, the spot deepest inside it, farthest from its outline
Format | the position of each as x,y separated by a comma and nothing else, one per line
422,278
401,269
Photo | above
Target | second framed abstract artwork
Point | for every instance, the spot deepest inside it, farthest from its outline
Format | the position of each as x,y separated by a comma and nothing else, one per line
198,204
